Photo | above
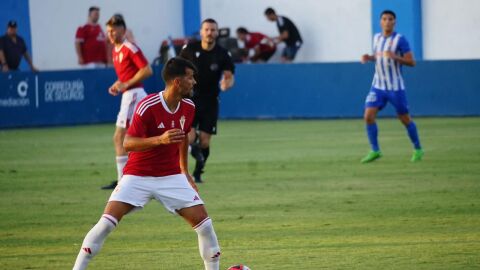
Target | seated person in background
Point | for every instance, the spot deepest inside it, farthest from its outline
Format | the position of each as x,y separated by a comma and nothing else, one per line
260,47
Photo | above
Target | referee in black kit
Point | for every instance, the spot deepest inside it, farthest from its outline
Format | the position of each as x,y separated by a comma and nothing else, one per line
215,73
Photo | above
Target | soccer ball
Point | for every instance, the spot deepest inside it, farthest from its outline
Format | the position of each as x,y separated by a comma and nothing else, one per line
239,267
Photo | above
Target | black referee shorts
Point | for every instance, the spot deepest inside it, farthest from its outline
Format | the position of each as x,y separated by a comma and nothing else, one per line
206,115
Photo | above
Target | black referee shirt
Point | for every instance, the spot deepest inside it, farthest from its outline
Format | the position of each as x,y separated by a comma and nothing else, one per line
284,23
210,65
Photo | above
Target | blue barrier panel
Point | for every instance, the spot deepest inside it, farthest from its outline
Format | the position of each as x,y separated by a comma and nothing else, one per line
444,88
434,88
60,98
297,90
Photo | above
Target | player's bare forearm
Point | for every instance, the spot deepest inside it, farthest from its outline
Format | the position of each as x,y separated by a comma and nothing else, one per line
3,62
2,58
131,143
172,136
183,147
30,62
140,76
78,49
407,59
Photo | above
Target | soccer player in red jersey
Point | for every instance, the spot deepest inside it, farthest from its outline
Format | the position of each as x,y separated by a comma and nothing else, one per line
260,47
90,42
157,167
131,68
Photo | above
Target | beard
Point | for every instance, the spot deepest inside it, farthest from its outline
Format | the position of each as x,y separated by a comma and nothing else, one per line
188,94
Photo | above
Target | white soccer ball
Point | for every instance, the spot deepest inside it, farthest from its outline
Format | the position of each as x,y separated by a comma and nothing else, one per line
239,267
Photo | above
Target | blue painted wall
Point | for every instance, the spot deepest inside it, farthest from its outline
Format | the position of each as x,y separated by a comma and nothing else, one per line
17,10
434,88
61,98
409,21
191,17
297,90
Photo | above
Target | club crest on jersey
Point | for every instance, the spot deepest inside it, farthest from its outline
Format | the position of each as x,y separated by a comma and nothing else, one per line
197,54
161,125
182,121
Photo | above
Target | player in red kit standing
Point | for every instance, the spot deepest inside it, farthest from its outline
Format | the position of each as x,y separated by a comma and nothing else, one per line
90,42
157,167
131,68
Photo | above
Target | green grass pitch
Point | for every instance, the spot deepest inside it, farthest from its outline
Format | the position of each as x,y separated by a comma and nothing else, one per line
282,195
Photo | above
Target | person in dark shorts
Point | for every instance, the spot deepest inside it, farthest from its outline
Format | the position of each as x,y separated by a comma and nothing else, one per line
288,34
215,73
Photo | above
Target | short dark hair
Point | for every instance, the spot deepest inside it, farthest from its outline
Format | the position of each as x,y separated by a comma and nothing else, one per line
116,20
389,12
209,20
176,67
242,30
269,11
93,8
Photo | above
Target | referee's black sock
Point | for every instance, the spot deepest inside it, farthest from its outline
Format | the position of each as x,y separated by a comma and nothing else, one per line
206,153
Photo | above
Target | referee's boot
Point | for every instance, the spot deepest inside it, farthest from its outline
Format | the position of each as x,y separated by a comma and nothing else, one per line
197,175
111,185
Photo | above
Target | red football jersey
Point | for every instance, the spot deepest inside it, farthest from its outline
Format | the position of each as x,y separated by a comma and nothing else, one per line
127,60
152,118
93,43
254,39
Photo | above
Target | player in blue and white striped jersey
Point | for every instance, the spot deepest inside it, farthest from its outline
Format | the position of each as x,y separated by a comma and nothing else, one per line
390,52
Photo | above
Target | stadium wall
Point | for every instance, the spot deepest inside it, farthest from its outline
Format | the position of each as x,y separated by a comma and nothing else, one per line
54,24
450,29
341,31
334,31
435,88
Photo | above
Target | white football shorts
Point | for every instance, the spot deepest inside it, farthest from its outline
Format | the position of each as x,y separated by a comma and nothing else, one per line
173,191
130,99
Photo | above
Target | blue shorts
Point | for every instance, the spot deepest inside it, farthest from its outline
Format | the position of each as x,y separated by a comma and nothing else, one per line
377,98
290,52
